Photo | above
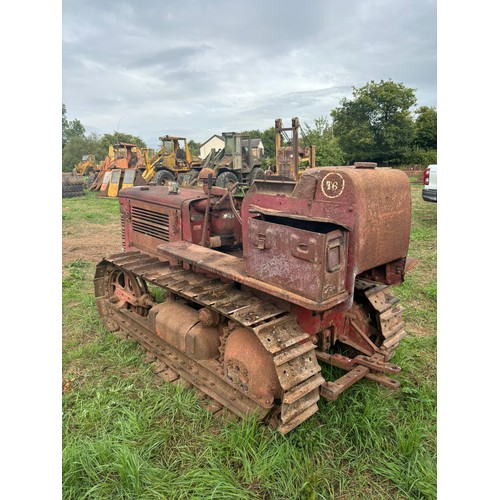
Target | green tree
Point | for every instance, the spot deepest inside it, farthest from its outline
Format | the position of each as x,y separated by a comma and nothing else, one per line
417,156
269,145
328,151
78,146
376,124
194,147
426,128
73,128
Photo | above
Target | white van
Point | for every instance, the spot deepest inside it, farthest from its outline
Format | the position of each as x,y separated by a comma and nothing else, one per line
430,191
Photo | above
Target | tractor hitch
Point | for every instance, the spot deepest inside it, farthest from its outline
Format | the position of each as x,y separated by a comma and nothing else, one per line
370,367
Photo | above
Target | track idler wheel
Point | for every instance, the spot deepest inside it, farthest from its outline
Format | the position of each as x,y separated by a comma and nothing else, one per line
128,291
248,365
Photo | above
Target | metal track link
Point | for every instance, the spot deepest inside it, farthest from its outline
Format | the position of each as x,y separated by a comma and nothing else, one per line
277,329
389,314
297,368
181,369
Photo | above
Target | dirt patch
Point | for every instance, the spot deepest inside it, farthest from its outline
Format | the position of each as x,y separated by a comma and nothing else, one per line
417,331
90,242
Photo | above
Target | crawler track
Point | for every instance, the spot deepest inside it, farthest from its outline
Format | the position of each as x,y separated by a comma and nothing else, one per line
292,350
388,313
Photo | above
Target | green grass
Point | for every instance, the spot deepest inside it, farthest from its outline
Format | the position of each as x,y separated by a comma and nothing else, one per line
89,209
127,434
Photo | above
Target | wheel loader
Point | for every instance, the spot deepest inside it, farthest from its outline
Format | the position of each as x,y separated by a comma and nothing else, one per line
87,166
261,294
172,159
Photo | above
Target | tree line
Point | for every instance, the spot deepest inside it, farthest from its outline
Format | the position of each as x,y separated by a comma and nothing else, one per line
380,122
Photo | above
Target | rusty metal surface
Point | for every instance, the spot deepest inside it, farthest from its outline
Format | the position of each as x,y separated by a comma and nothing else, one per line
332,390
280,367
249,365
247,331
373,205
377,363
376,374
357,331
152,216
160,196
352,328
283,364
200,376
178,325
233,268
386,312
306,262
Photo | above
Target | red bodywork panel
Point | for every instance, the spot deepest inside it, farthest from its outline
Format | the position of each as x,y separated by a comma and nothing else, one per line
152,216
371,208
310,239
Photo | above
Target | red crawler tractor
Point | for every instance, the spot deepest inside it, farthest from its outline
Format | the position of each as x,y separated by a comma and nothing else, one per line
258,290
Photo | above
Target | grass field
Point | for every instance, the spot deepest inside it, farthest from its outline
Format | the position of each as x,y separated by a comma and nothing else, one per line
127,434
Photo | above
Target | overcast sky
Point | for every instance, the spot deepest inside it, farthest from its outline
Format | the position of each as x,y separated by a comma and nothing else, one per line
196,68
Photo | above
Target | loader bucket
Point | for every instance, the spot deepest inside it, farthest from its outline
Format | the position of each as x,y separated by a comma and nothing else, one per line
128,178
104,183
115,183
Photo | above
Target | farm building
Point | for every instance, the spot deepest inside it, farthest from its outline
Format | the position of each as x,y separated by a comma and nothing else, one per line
215,142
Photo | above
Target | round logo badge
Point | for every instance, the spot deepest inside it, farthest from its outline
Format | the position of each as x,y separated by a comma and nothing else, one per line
332,185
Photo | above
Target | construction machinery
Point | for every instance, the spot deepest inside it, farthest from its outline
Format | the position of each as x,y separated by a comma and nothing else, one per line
85,167
291,159
261,293
172,158
149,152
119,169
237,163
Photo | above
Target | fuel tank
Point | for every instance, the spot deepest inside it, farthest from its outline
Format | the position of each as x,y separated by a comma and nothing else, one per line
179,325
337,223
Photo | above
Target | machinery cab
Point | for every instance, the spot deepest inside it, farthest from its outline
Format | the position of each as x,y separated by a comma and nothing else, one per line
126,156
176,155
238,162
172,158
86,166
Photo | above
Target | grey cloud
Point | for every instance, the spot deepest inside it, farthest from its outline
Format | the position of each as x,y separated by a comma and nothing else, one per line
168,57
197,68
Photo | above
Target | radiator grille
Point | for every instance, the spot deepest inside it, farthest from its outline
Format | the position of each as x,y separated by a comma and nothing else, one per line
154,224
